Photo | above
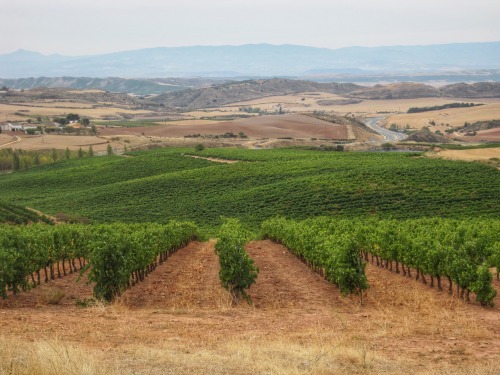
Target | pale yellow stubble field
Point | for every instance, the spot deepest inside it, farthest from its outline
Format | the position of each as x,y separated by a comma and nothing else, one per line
294,103
8,111
454,117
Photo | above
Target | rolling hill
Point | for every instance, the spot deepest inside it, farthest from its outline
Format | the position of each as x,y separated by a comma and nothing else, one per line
164,184
233,92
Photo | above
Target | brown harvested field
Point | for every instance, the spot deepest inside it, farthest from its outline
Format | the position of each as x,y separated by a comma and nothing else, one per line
455,117
179,321
295,126
294,102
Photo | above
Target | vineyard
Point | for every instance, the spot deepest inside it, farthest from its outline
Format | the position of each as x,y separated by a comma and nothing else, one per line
14,214
462,251
117,256
165,184
362,253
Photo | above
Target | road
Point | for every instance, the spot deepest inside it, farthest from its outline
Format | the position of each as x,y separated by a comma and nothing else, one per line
16,139
388,135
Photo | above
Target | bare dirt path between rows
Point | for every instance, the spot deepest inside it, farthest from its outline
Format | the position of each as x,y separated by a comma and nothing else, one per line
216,160
298,321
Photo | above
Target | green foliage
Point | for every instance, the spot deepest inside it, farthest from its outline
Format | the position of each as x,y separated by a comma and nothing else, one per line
122,255
199,147
61,120
237,270
26,251
482,286
162,184
72,117
250,110
332,249
119,255
109,150
16,163
14,214
388,146
24,159
460,250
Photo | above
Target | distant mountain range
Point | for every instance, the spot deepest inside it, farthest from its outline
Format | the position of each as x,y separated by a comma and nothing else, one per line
139,86
254,60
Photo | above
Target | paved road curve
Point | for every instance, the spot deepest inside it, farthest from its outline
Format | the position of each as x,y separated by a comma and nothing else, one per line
388,135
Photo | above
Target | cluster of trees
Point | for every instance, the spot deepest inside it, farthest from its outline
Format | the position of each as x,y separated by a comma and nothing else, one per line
250,110
440,107
15,160
71,117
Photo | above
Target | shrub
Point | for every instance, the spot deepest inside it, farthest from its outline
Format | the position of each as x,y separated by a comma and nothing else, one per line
52,296
237,270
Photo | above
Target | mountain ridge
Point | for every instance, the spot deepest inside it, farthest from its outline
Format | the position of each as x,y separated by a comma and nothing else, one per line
251,60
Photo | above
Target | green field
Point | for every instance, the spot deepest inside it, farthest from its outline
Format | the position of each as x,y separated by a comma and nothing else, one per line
14,214
164,184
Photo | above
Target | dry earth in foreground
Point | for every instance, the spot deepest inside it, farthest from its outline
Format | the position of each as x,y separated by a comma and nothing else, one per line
180,321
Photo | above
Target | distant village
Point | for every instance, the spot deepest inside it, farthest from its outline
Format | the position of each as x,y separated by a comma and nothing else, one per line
71,124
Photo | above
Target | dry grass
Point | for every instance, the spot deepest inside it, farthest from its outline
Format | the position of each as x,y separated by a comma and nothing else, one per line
49,358
9,110
248,355
51,296
180,321
455,117
294,103
480,154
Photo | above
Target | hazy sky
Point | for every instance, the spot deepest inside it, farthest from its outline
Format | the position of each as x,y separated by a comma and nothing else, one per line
84,27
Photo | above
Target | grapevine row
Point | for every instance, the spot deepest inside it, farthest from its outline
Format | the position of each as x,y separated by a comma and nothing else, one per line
462,251
116,255
334,254
237,270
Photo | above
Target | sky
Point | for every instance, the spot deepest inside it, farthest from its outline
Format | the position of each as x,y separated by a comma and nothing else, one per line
88,27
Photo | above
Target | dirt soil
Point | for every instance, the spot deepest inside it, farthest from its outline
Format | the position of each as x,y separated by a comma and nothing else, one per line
295,126
180,320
